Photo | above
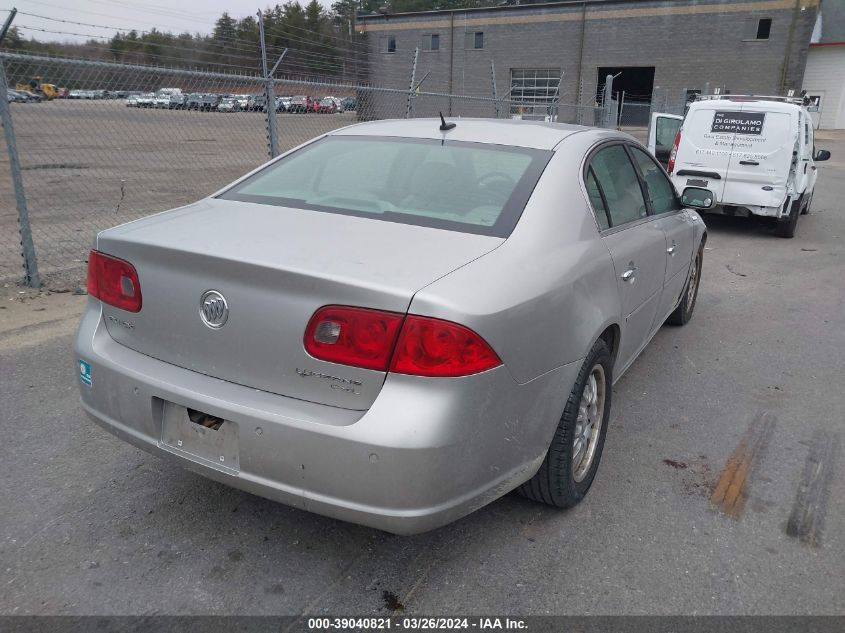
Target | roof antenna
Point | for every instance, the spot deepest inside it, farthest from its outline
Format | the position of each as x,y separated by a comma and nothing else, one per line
445,127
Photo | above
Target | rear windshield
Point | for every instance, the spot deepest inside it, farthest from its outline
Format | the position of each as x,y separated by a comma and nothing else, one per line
468,187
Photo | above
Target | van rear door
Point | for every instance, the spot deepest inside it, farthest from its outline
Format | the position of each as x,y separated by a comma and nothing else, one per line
761,158
662,130
705,150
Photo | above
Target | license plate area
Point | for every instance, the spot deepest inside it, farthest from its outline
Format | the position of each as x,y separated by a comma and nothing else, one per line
200,437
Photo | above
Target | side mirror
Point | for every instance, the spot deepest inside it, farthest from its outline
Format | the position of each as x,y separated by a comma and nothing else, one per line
821,154
698,198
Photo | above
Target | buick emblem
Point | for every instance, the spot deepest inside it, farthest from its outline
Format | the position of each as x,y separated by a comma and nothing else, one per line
213,309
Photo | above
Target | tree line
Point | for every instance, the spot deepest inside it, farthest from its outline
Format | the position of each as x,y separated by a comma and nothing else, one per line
319,41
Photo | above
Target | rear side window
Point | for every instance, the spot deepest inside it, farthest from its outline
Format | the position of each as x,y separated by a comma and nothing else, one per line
596,199
619,185
468,187
660,190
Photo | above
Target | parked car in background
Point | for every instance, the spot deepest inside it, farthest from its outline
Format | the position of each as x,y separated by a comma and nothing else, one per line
411,389
161,101
339,103
194,101
244,101
31,97
75,94
146,100
327,106
229,104
178,101
16,97
349,103
132,101
282,104
258,103
210,102
300,103
756,154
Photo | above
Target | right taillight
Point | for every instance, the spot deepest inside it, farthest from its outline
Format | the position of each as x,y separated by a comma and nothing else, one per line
388,341
433,347
671,166
114,281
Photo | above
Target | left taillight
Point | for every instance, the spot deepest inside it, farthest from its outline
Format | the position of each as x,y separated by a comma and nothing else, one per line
674,153
114,281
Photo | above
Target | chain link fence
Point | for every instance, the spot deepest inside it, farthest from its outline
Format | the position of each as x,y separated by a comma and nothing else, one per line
124,141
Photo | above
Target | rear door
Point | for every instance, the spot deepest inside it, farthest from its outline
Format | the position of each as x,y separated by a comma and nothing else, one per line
635,241
662,130
676,224
764,142
705,150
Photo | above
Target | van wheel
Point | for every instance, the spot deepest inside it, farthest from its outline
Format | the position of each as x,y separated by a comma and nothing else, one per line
683,313
786,228
570,466
806,208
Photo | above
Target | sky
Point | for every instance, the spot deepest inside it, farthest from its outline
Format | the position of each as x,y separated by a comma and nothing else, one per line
143,15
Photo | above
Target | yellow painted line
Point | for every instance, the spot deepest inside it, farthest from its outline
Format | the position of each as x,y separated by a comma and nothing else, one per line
395,23
731,489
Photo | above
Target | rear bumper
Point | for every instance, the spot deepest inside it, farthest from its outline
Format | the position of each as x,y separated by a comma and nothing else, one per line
426,453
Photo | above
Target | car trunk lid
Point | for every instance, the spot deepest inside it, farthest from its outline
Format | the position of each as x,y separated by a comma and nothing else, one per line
275,266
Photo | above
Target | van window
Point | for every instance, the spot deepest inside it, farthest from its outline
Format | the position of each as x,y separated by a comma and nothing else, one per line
620,185
660,190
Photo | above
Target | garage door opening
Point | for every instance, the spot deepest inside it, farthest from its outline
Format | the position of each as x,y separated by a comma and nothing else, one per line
632,88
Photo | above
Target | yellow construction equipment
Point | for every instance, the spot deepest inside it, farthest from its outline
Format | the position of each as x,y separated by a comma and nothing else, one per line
47,91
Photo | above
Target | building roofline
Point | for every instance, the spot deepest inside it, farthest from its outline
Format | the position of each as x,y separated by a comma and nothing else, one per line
509,7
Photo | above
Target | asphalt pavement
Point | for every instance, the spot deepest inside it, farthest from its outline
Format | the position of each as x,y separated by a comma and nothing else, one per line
720,490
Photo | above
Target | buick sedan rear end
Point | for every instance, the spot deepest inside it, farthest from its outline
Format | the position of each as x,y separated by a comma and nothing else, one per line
383,326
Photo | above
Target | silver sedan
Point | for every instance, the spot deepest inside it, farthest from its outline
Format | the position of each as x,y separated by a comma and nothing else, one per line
395,323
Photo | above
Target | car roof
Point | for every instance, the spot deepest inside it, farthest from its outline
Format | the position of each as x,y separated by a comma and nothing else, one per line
517,133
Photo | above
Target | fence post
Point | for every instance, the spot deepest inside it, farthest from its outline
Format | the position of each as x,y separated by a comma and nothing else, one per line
31,277
495,96
607,102
269,97
411,86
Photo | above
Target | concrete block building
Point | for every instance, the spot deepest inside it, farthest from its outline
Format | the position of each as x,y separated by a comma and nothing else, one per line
563,50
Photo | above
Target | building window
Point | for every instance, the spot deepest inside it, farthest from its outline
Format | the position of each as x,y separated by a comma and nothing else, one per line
388,44
764,27
534,91
474,40
431,42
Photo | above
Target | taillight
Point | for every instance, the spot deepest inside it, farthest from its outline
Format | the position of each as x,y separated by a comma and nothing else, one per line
415,345
353,336
432,347
671,167
113,281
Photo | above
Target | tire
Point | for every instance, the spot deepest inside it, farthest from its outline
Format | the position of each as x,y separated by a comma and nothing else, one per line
683,313
786,228
559,482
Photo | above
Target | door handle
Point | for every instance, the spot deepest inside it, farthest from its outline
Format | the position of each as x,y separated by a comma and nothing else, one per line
629,274
748,162
671,249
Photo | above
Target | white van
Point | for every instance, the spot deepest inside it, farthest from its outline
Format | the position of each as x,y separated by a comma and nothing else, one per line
755,154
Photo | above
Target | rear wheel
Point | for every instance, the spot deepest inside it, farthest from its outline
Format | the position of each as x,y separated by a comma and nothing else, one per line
683,313
786,227
570,466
